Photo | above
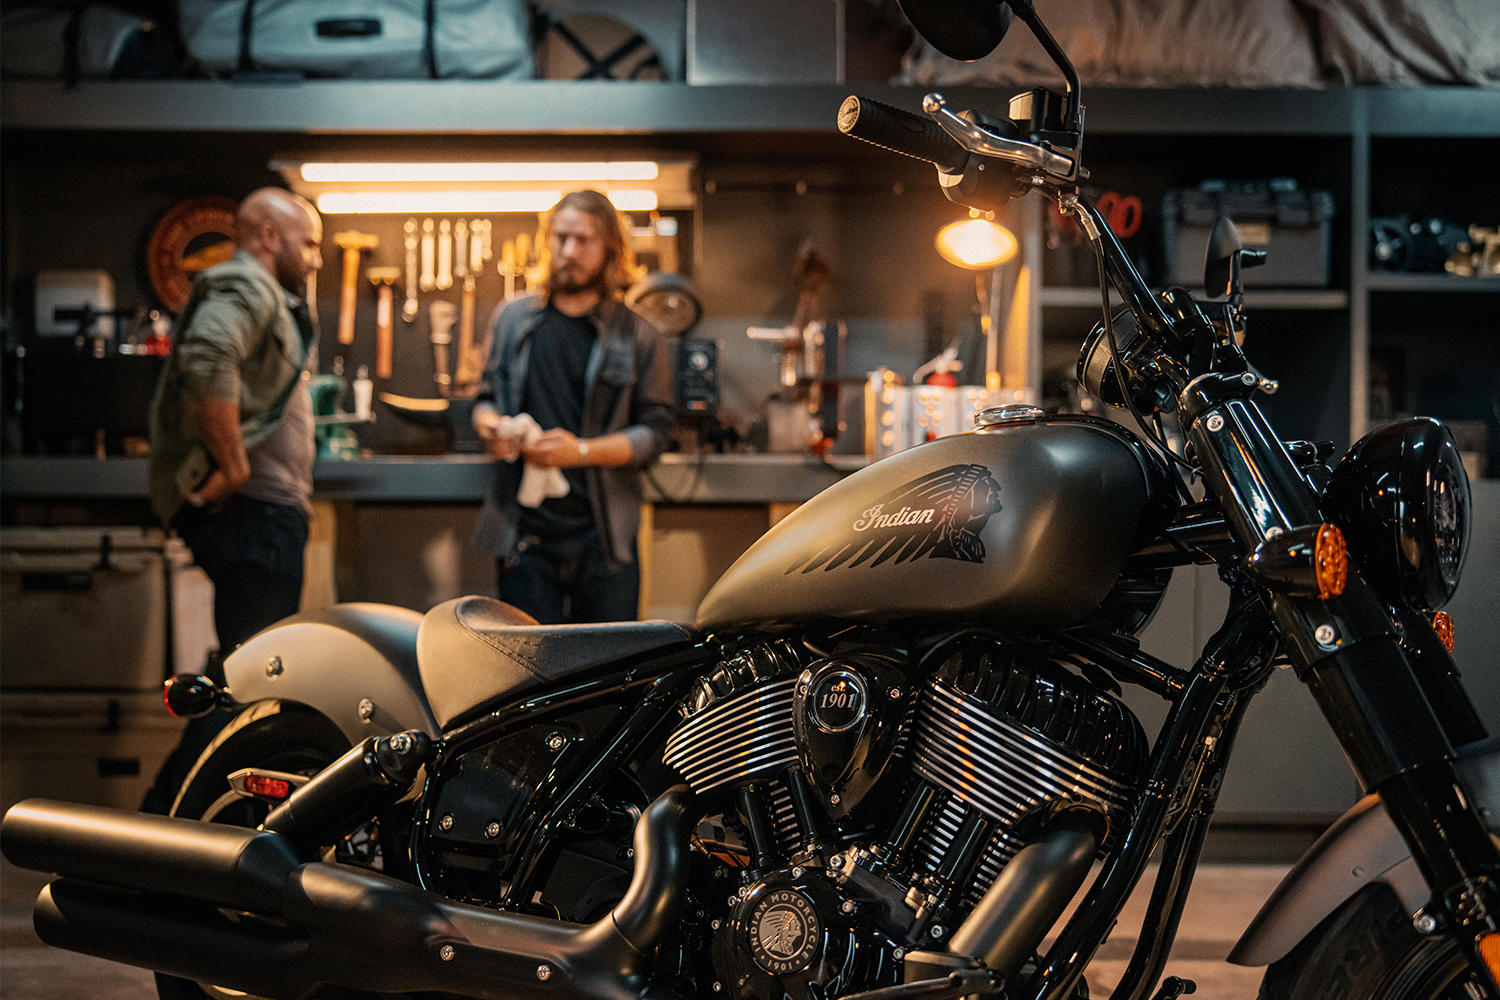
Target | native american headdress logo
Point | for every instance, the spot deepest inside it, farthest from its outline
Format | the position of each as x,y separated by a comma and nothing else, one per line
938,516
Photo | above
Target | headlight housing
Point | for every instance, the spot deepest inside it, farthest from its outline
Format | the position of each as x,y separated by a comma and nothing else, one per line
1401,496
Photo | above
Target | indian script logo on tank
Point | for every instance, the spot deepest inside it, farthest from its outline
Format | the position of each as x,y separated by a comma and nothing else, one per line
938,516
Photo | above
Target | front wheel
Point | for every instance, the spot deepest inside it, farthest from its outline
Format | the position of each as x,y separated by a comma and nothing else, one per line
271,736
1369,949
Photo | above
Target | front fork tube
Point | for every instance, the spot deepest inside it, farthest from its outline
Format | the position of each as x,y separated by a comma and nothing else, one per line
1238,645
1345,651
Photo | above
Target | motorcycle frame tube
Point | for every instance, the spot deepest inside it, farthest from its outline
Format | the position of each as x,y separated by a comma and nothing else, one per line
1195,713
1173,753
1180,856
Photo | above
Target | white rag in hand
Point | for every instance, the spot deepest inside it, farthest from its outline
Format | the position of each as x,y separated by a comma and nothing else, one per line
537,483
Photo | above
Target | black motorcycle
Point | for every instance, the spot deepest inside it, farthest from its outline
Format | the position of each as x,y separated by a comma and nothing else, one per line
891,750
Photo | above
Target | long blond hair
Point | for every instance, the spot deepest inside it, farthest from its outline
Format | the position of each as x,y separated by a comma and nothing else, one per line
620,270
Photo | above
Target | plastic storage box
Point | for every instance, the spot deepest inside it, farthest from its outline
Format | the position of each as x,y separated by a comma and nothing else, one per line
1290,224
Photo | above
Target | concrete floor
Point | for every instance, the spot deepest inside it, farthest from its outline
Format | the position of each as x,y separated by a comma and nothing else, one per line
1223,899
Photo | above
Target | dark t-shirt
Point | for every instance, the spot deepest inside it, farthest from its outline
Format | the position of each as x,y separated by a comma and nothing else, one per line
554,396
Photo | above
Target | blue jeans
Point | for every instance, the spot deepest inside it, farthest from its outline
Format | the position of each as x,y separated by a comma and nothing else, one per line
565,581
252,551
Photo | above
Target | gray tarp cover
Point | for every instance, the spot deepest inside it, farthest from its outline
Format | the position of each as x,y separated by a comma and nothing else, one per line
1241,43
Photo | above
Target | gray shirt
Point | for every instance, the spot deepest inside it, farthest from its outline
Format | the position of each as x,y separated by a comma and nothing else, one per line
281,465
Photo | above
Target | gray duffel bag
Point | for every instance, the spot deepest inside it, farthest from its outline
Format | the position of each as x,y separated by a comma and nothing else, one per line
368,39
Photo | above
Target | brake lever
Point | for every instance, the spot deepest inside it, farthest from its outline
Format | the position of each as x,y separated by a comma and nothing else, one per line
977,139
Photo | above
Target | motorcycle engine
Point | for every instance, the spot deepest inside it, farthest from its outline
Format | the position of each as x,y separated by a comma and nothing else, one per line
875,800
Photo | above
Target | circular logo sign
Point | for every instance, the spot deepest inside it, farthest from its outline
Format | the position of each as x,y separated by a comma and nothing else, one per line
836,700
191,236
784,932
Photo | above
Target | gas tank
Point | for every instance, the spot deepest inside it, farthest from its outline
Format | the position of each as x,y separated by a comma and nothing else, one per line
1022,524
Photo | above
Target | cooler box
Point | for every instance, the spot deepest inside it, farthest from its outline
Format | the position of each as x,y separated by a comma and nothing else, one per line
100,609
1290,224
83,746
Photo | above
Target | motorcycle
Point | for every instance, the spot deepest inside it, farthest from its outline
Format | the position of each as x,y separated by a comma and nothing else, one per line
892,748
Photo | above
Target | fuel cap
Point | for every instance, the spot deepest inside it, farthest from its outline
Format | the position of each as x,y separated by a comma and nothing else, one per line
1012,413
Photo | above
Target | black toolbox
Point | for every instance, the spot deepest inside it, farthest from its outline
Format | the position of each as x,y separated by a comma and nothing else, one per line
1292,225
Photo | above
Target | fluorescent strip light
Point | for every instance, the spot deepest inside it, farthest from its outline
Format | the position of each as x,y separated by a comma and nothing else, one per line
633,201
463,202
478,173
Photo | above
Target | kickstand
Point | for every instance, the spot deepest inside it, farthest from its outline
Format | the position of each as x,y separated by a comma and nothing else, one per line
1172,987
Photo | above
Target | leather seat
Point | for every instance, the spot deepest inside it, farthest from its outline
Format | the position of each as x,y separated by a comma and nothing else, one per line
473,651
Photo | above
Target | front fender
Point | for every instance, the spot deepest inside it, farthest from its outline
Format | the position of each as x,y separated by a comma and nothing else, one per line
1361,847
355,663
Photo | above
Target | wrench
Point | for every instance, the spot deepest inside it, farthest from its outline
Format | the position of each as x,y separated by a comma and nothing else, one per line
409,307
460,249
479,244
445,255
429,249
443,315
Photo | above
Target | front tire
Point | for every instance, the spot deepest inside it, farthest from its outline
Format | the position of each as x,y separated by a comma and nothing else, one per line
269,735
1369,949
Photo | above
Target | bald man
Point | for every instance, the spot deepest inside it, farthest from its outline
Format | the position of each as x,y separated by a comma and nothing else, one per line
232,431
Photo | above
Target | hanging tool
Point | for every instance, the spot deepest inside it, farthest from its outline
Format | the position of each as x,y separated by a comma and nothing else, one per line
443,315
352,242
383,278
409,307
471,356
444,255
460,249
507,268
479,244
429,257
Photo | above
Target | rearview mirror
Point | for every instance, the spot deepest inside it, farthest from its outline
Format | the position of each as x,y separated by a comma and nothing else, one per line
959,29
1219,266
1226,259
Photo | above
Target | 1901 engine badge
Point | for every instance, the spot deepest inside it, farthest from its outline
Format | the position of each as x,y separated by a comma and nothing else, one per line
836,700
784,932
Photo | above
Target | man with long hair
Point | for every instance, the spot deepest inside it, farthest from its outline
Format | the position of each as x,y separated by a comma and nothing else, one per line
579,383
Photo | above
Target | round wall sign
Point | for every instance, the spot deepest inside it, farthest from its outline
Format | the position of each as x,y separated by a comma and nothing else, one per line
192,235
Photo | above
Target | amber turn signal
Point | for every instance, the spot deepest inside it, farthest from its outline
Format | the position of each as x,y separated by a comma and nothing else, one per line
1442,624
1332,556
1489,953
1310,561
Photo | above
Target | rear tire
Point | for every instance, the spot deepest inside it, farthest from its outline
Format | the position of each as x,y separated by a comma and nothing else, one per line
272,736
1369,949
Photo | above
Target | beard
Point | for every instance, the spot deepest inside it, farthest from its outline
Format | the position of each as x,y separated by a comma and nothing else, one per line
571,280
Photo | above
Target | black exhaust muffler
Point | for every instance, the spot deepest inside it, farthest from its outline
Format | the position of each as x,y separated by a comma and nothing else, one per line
327,924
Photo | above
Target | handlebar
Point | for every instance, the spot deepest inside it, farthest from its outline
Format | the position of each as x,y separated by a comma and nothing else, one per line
901,132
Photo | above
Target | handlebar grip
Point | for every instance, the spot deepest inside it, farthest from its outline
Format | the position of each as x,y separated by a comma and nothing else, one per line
901,132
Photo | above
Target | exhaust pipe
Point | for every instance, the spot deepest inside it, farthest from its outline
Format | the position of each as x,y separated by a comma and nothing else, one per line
337,925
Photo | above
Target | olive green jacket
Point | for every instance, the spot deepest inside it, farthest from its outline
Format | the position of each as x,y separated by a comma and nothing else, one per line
239,339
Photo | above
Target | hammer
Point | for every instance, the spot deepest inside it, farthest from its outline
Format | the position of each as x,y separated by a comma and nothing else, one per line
383,278
352,242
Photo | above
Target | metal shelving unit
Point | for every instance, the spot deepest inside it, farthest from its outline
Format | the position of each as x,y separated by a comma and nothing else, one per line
784,118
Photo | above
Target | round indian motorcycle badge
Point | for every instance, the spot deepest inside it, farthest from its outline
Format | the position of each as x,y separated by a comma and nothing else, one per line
784,932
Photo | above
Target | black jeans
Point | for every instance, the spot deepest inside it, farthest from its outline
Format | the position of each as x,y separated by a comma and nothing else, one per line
252,551
565,581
